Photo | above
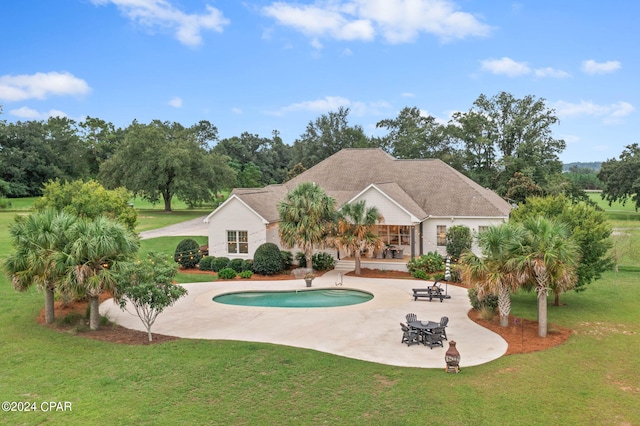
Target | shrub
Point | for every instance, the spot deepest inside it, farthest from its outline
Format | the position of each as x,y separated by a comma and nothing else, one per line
438,277
456,274
247,265
287,259
323,261
187,253
227,274
246,274
267,259
458,239
219,263
429,263
301,259
206,263
489,301
236,265
420,274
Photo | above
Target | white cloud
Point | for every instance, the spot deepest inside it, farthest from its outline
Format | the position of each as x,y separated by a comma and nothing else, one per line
332,103
551,72
40,86
161,13
408,95
398,21
32,114
593,67
570,139
237,111
322,20
610,114
506,66
176,102
326,104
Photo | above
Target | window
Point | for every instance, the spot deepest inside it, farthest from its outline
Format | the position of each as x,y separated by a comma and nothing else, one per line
395,234
237,242
441,235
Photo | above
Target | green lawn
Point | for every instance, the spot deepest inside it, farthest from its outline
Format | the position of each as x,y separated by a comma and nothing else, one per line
594,378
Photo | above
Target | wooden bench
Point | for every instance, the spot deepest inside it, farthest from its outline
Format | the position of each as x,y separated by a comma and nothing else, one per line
430,292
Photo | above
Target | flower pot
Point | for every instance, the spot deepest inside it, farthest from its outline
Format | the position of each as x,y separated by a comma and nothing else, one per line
308,281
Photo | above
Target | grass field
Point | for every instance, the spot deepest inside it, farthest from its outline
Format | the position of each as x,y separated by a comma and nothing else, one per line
592,379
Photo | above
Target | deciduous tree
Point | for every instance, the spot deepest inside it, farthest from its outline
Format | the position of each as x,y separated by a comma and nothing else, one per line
88,199
621,177
503,135
161,160
147,287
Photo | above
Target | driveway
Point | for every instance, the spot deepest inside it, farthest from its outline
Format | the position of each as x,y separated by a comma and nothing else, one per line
191,228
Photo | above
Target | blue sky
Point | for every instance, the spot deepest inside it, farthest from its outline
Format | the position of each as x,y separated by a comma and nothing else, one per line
259,66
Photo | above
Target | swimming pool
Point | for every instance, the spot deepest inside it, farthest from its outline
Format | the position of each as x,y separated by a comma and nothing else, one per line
317,298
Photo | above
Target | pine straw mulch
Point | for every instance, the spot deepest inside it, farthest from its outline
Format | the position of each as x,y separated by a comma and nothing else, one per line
521,334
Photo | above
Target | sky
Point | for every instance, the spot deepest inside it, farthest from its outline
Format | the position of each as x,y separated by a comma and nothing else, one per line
258,66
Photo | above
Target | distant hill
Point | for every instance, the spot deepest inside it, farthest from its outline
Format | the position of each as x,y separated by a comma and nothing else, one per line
593,165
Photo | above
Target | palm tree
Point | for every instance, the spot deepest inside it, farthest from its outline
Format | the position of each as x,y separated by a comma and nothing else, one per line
306,214
97,245
38,239
548,259
355,230
493,273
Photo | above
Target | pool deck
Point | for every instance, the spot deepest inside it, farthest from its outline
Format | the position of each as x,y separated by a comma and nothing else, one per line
369,331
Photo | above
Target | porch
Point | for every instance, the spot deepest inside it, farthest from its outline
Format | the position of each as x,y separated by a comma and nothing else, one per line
347,264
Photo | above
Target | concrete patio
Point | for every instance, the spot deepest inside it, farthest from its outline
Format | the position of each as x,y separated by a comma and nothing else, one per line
368,331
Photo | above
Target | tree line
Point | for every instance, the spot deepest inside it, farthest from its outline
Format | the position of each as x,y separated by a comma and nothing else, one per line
502,142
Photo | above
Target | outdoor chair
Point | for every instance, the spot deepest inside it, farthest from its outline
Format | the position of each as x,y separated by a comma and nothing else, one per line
409,335
411,318
432,338
443,325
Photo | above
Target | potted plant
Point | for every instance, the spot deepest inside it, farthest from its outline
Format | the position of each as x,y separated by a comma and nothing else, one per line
308,278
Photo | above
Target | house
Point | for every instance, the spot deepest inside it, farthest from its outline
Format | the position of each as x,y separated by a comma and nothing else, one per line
419,200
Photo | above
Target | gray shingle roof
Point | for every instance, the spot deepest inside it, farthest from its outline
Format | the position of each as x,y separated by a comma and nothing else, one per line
424,187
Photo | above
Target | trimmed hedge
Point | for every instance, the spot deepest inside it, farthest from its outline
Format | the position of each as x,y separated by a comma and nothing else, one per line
187,253
219,263
206,263
267,260
236,264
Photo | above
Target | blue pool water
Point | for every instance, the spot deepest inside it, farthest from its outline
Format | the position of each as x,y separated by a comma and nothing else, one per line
321,298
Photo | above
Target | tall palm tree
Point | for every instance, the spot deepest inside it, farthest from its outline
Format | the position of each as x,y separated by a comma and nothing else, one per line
97,245
494,273
37,240
306,214
548,259
355,230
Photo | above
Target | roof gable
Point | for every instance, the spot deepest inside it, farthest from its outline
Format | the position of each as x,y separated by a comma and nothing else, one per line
423,188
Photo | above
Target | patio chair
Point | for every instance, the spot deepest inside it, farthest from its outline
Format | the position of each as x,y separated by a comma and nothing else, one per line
410,336
443,323
432,338
411,318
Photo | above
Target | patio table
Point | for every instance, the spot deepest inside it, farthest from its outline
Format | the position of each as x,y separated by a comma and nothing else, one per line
426,335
